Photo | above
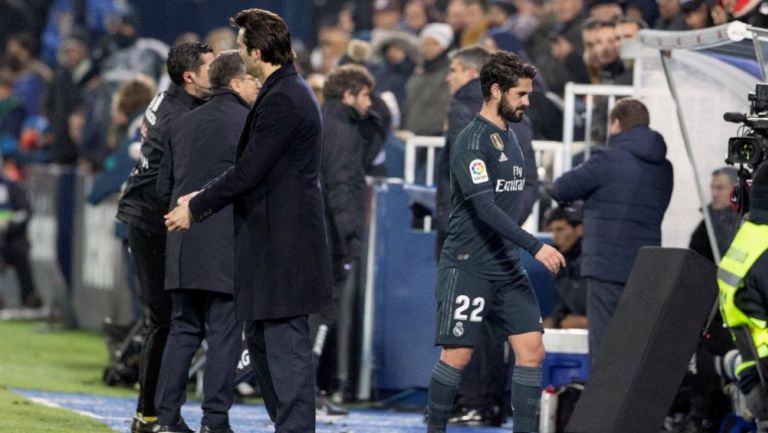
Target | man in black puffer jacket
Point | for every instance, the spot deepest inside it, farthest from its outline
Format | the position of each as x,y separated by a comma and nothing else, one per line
626,189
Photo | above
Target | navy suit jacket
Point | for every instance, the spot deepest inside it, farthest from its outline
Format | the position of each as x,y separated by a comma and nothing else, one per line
282,264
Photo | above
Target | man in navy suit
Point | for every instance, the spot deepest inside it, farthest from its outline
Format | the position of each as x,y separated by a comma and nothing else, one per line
282,268
199,263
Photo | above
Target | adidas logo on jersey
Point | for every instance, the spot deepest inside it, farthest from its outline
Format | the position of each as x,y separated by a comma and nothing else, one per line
503,157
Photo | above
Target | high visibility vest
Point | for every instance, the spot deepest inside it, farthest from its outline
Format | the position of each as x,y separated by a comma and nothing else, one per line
750,243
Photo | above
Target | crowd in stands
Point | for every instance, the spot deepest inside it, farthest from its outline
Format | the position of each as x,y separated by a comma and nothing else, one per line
77,77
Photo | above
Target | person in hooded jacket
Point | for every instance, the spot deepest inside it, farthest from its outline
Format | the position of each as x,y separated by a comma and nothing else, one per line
626,190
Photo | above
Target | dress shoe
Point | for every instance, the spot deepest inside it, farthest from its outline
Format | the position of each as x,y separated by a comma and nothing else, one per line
324,406
140,425
206,429
180,427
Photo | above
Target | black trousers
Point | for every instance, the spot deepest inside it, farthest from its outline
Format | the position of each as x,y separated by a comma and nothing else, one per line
193,312
602,299
281,354
482,381
148,252
15,253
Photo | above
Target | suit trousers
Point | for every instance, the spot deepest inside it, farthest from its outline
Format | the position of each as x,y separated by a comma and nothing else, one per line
281,355
602,299
199,314
148,252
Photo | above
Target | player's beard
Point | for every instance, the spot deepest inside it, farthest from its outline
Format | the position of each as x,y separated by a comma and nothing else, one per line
509,113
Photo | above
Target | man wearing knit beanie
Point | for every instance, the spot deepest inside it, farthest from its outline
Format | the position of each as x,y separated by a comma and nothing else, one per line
743,281
427,96
441,33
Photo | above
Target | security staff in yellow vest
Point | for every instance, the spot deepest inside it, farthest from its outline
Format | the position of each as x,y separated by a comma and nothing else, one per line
743,281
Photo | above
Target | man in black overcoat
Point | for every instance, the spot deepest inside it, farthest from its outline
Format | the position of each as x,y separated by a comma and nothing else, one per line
282,269
200,262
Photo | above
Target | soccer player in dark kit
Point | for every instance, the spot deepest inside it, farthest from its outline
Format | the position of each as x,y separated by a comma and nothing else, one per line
479,275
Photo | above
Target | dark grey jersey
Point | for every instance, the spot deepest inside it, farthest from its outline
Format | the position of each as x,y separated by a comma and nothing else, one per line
484,160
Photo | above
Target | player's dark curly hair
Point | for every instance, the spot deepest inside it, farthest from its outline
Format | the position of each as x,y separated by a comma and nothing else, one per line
267,32
505,69
185,57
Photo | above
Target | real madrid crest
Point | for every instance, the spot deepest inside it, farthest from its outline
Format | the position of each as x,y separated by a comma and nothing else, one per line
458,330
498,143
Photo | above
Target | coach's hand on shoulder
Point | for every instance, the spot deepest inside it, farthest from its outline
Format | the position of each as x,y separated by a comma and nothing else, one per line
180,218
550,258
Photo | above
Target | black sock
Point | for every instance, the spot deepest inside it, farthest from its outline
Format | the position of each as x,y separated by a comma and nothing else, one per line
526,393
442,389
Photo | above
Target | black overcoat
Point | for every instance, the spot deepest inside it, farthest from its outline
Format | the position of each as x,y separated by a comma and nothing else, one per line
282,268
204,146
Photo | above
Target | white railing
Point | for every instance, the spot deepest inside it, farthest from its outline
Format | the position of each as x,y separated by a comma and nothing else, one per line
569,114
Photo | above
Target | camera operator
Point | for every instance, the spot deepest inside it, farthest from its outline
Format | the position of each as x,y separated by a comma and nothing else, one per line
743,281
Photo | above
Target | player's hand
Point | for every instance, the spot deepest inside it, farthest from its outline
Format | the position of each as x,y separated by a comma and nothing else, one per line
184,200
550,258
180,218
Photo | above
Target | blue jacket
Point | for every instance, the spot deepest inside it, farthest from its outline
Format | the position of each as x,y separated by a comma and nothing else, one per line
626,189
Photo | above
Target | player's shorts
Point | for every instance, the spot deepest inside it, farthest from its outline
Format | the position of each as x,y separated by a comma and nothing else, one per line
464,302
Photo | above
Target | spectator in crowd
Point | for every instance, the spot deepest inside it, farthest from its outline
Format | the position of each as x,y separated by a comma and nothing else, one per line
12,115
427,94
221,39
626,189
347,96
520,17
15,212
670,16
754,13
125,53
697,14
128,107
144,201
415,16
556,49
66,97
502,39
567,230
499,13
602,46
30,76
386,15
317,83
605,10
455,16
627,27
17,16
725,220
199,271
332,45
476,24
396,67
